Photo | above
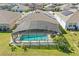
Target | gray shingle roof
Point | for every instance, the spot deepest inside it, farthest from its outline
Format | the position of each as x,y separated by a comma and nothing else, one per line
38,20
63,16
66,13
74,18
7,17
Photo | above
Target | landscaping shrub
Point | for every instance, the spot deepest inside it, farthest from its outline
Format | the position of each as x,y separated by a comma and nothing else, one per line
62,44
53,36
27,10
24,47
13,48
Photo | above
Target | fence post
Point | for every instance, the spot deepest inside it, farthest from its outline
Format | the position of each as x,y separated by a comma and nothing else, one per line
39,44
48,44
30,44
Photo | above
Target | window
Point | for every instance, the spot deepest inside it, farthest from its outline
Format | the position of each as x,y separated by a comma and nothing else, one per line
70,25
7,28
0,29
74,25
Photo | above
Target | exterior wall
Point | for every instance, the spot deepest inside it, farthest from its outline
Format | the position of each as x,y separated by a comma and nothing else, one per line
4,27
78,25
9,26
68,26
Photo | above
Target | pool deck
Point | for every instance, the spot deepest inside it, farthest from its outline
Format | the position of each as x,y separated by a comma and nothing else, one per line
40,42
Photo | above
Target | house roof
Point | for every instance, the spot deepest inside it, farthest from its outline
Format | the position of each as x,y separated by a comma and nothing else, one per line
65,15
20,7
38,20
7,17
74,17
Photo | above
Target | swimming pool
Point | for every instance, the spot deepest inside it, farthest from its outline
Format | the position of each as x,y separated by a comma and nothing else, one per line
33,37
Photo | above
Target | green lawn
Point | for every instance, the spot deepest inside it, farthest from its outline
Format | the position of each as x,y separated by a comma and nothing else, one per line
5,49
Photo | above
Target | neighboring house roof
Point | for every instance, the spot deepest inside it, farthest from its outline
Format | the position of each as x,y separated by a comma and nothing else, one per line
38,20
64,6
67,6
35,5
4,4
49,7
74,18
73,10
20,8
64,15
7,17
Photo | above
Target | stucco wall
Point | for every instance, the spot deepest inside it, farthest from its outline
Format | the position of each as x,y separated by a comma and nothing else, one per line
78,25
67,26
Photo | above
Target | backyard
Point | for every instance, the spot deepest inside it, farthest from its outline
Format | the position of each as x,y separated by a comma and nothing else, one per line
72,38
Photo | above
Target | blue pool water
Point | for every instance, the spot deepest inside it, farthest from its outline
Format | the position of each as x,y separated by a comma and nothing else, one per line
33,37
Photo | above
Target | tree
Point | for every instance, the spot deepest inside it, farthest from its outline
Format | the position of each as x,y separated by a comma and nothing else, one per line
62,44
24,47
13,48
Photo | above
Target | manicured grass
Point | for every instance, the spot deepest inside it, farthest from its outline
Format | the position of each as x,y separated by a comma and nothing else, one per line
73,40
